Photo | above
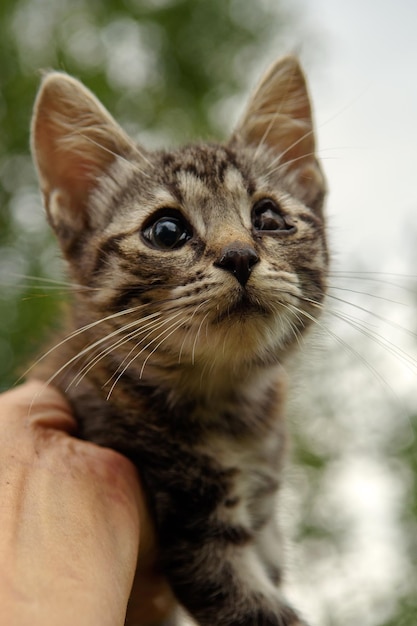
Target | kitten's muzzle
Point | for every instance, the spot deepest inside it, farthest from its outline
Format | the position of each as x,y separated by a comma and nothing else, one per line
238,259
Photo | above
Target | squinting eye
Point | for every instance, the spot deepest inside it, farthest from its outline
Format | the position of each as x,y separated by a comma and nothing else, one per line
169,232
267,216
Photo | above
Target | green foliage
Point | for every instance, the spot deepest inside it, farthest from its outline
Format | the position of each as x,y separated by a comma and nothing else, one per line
406,614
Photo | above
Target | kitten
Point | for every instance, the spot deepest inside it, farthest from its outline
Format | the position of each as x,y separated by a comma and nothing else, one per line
196,271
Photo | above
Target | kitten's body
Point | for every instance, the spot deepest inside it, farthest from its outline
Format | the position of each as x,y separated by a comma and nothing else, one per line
179,363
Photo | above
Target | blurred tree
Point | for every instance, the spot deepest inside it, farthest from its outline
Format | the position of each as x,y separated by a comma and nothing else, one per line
353,476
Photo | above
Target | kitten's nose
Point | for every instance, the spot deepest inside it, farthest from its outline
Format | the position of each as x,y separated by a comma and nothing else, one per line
238,259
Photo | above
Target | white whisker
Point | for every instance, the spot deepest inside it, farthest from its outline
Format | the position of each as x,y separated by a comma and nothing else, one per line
177,324
196,338
375,296
74,334
379,339
196,309
274,117
292,146
176,327
380,318
116,154
148,329
124,339
379,278
41,279
343,343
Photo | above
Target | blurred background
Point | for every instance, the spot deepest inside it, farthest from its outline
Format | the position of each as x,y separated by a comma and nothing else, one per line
175,70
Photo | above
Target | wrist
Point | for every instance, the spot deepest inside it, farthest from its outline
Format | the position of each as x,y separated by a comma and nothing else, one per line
52,600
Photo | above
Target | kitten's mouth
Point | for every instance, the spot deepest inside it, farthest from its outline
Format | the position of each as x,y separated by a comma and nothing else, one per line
244,308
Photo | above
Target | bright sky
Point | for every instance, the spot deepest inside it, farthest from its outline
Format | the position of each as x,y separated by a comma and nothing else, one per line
365,96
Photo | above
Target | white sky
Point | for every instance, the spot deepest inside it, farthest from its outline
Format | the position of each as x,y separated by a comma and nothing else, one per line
365,100
363,83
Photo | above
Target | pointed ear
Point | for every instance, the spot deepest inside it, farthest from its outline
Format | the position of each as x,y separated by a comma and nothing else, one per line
279,117
74,140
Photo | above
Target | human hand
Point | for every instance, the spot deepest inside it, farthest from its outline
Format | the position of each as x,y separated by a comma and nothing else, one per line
72,516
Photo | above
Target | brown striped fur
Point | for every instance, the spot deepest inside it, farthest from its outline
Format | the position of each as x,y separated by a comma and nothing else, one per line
175,356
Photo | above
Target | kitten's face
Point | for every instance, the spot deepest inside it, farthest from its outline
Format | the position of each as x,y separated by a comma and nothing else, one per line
209,254
211,238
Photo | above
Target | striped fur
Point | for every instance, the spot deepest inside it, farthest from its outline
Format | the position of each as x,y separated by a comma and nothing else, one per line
175,356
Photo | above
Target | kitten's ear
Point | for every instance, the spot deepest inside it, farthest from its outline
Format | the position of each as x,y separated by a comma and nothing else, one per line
74,140
279,117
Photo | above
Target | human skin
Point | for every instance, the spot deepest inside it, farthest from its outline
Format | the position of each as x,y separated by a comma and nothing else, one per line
72,521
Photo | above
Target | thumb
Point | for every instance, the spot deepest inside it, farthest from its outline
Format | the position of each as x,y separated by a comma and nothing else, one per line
40,405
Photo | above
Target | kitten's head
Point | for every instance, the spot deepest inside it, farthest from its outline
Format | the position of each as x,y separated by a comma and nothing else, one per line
211,254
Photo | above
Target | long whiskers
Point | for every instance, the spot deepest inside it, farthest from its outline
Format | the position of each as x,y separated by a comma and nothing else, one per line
176,326
150,322
373,314
196,310
385,279
346,346
165,334
197,335
116,154
358,292
170,325
42,283
148,331
74,334
379,339
276,165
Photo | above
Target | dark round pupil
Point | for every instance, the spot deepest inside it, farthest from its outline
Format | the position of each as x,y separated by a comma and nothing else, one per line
167,232
268,218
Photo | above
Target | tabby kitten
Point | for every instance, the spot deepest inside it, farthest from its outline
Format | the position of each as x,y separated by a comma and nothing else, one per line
196,271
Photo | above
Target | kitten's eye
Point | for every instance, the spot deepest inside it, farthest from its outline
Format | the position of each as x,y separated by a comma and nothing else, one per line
267,216
168,232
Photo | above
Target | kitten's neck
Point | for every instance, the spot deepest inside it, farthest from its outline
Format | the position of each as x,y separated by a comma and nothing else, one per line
210,386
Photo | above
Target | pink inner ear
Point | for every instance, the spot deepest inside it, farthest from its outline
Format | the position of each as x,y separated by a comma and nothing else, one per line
68,172
279,114
79,173
74,140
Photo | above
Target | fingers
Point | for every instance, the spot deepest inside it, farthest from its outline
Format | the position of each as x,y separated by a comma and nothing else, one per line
39,413
38,404
69,521
97,488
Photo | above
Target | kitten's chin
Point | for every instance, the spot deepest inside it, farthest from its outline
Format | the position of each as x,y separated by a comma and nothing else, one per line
246,336
245,310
